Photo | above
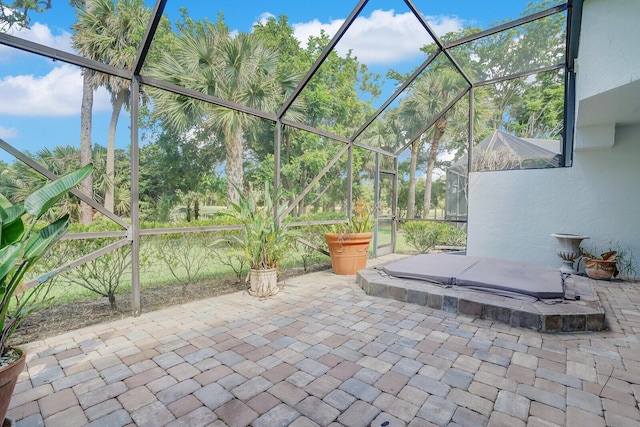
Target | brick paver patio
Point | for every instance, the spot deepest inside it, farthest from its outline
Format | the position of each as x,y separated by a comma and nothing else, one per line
322,352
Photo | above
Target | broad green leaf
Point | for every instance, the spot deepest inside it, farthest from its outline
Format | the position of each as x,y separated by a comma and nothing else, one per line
9,255
11,214
4,202
43,238
11,233
42,199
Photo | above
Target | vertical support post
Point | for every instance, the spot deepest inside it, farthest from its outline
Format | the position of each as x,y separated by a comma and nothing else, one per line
470,143
394,206
569,117
376,202
134,228
574,22
350,180
471,120
277,137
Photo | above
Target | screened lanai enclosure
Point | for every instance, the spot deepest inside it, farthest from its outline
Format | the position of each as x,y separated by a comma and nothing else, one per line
182,106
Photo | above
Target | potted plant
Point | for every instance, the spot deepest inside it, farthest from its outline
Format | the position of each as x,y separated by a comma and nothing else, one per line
24,240
264,241
603,268
349,243
618,261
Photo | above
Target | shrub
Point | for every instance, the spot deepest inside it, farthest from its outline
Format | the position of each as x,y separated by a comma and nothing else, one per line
104,274
185,255
424,236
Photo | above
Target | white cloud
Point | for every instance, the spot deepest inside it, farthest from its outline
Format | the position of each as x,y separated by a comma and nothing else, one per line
58,93
382,38
38,33
8,133
264,18
41,33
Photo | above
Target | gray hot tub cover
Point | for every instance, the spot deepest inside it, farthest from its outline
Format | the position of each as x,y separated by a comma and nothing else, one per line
490,274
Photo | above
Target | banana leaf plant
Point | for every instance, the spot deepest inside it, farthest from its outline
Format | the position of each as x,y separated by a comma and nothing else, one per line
24,239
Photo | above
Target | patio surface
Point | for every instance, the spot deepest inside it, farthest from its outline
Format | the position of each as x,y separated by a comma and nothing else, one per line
322,352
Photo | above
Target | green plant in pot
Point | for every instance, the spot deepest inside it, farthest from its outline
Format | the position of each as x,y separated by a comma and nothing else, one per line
349,242
616,262
265,241
24,240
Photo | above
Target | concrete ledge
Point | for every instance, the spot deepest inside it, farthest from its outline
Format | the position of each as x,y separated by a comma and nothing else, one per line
587,314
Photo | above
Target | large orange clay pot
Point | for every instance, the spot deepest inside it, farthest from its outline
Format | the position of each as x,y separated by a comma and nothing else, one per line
348,251
8,378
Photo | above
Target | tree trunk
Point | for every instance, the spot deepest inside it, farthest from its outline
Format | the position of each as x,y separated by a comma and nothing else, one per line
112,300
411,197
233,168
109,196
441,126
196,209
86,155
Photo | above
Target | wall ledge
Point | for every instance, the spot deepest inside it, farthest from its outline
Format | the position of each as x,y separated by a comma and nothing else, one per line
595,137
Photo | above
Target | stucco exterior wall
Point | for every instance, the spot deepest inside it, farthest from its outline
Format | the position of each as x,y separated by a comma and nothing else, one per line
609,55
513,213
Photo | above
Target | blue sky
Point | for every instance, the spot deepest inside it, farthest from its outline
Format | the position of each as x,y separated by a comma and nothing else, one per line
40,99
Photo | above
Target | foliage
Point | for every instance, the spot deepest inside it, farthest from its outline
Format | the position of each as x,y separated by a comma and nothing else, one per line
264,241
110,32
15,13
333,100
424,236
24,241
313,234
183,252
238,68
102,275
176,163
20,180
362,220
187,254
230,255
625,261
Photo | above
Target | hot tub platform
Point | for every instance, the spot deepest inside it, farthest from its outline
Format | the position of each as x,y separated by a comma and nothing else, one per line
570,314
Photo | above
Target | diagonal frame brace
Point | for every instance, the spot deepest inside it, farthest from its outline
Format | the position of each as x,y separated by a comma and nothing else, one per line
48,174
431,122
78,262
313,182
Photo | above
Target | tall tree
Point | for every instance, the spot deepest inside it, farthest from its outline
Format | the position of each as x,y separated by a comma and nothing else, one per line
86,118
176,163
333,100
239,68
425,100
21,180
111,32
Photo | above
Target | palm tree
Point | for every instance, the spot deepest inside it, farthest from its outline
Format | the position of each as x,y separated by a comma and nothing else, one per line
111,33
427,98
238,69
22,180
86,211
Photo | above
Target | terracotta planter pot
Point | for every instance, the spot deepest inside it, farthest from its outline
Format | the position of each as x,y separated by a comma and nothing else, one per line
8,378
600,269
348,251
263,283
